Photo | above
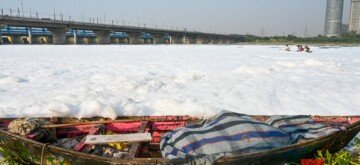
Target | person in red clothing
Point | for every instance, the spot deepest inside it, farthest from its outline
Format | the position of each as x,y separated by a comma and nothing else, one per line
300,48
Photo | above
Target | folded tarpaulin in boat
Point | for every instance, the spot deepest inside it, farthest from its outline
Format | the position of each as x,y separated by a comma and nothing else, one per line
227,132
300,127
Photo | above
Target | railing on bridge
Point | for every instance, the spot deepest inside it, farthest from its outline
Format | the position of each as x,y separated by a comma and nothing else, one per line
119,35
145,35
10,30
7,30
81,33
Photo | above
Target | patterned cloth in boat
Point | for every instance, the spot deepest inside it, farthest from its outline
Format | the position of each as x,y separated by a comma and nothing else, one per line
300,127
29,125
25,126
229,133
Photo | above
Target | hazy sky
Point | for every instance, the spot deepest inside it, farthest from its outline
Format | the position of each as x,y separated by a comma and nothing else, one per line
276,17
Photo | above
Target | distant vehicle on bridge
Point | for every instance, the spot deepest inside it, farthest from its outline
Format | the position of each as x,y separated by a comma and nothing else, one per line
45,18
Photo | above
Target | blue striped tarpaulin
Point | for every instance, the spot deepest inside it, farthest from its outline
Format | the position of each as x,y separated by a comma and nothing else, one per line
229,133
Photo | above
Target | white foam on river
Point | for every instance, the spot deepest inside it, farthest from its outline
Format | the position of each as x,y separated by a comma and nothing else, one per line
112,80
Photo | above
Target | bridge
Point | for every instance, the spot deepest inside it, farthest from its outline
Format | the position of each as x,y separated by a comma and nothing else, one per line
42,31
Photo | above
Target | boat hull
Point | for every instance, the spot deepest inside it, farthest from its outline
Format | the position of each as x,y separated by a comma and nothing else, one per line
296,152
33,152
30,151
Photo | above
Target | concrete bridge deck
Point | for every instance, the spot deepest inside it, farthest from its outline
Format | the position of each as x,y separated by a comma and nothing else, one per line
102,31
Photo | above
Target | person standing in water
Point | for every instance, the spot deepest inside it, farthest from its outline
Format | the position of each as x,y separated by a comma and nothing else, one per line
300,48
307,49
287,48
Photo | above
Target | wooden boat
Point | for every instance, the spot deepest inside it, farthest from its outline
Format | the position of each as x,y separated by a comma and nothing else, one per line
28,151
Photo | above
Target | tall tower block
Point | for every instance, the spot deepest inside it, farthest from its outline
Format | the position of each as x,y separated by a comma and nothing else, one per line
354,23
333,19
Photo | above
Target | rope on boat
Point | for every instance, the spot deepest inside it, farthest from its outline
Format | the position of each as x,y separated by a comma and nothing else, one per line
42,153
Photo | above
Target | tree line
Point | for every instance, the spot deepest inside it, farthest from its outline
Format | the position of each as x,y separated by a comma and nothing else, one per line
350,37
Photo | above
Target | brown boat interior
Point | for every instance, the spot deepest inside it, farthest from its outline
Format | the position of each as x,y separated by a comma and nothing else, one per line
157,126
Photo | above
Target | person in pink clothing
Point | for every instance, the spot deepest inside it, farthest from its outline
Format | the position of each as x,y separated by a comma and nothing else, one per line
300,48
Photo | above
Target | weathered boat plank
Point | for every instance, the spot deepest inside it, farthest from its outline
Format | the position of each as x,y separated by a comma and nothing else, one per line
94,130
136,146
130,138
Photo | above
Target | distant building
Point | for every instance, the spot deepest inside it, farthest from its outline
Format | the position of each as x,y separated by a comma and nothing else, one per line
333,19
354,24
344,28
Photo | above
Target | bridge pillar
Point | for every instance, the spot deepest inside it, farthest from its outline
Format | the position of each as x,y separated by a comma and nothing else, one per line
59,35
233,41
44,40
16,39
102,37
175,39
218,41
114,40
178,39
134,38
200,40
123,40
30,37
85,40
170,40
1,40
209,41
185,40
158,38
38,40
181,40
75,37
191,40
223,41
197,40
148,41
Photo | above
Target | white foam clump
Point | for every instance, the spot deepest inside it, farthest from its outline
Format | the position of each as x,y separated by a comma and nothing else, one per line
188,76
92,108
286,63
312,62
113,80
58,109
85,109
10,80
251,70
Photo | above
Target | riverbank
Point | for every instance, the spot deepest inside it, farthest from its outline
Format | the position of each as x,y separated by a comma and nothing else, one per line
302,43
